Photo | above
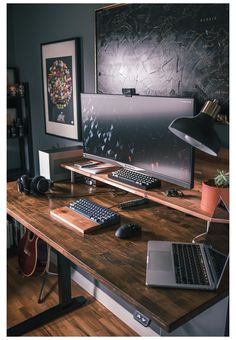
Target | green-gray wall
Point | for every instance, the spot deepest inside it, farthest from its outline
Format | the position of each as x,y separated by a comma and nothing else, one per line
29,25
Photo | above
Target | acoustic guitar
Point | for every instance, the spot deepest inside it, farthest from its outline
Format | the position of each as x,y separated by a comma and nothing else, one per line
32,254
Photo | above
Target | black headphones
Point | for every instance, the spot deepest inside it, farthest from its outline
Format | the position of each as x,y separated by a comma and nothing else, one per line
36,185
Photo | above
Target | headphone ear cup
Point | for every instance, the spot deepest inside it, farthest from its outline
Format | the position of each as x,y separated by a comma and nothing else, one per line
23,184
19,185
34,185
39,185
25,181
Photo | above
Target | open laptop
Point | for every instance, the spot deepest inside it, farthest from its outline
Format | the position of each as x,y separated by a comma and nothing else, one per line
188,265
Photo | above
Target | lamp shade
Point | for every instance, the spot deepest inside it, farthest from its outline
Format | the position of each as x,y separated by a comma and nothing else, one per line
198,131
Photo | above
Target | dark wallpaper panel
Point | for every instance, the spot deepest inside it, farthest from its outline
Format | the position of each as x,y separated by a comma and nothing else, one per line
164,50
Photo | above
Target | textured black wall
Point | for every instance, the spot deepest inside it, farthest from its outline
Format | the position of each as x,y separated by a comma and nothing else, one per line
165,49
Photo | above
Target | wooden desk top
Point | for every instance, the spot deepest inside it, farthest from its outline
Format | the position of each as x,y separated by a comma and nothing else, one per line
119,264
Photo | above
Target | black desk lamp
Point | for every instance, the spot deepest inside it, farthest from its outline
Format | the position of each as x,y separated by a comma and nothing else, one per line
199,131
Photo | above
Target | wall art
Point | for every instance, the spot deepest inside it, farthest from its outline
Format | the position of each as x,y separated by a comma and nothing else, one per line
61,79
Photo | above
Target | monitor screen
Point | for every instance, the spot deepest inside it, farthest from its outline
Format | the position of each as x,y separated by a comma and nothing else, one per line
133,132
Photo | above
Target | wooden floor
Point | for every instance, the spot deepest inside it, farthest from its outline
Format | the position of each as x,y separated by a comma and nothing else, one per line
92,319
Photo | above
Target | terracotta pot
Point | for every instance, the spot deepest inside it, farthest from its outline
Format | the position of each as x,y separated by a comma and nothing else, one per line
211,196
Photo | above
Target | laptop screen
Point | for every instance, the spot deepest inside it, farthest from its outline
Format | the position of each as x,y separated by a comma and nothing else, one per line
218,262
218,237
218,233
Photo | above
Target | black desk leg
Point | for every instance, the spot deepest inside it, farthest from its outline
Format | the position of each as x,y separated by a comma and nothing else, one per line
66,303
64,279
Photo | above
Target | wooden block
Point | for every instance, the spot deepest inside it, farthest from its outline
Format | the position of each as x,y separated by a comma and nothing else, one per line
73,220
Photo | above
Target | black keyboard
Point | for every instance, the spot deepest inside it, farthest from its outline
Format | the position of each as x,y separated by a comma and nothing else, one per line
95,212
189,265
135,178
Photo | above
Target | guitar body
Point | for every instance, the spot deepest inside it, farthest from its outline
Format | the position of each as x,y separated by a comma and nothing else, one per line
28,254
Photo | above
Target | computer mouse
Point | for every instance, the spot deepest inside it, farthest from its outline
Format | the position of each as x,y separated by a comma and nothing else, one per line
128,230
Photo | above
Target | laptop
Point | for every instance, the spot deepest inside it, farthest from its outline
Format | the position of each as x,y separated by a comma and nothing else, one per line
189,265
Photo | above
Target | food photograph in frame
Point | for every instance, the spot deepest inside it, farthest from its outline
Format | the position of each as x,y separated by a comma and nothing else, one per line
61,88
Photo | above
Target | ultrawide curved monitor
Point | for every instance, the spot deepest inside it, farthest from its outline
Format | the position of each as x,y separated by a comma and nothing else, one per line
133,132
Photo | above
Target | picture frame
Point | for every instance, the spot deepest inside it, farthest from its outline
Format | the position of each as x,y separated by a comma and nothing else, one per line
61,87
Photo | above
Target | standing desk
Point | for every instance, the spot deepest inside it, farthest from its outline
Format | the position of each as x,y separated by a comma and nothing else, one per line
118,264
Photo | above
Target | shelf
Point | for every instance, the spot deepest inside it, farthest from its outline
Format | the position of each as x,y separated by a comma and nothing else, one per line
14,101
19,144
15,137
190,204
15,97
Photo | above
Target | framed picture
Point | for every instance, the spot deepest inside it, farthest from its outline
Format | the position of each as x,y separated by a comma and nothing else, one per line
61,79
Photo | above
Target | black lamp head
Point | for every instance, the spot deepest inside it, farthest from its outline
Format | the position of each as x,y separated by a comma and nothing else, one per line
199,131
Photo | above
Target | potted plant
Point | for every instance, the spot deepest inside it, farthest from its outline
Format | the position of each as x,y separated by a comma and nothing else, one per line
215,189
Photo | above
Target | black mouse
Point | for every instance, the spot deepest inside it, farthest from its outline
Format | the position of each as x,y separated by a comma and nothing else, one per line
128,230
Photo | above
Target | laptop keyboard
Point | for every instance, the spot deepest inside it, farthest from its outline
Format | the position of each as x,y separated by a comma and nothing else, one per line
189,265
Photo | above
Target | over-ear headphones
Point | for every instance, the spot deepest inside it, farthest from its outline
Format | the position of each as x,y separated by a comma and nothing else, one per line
36,185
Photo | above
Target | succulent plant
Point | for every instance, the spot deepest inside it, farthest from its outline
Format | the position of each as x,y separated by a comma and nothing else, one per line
222,178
